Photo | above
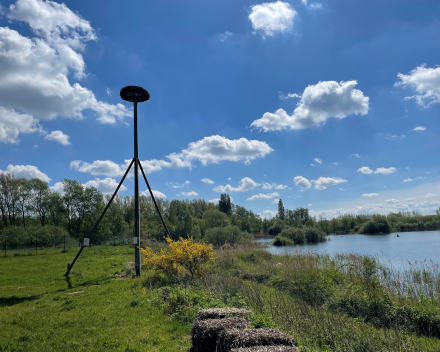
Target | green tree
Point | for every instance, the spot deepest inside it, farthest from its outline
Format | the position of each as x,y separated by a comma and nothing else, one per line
280,209
224,205
38,198
215,218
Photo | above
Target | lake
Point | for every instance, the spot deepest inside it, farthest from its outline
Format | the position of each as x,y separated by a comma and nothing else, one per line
410,246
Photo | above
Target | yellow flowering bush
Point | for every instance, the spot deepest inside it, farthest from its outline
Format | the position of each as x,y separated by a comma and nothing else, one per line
180,256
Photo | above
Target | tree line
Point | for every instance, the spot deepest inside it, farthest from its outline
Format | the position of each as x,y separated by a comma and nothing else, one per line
26,203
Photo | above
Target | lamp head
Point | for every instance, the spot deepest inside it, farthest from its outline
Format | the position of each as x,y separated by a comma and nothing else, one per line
134,93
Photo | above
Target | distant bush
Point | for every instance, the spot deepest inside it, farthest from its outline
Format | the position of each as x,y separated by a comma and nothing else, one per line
47,236
274,230
295,234
376,225
314,234
218,236
280,240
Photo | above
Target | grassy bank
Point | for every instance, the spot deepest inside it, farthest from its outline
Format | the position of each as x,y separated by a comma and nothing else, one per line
94,310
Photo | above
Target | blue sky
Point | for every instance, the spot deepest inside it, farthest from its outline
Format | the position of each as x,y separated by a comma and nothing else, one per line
331,105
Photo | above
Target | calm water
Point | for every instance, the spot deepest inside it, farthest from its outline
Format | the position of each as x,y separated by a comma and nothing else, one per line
410,246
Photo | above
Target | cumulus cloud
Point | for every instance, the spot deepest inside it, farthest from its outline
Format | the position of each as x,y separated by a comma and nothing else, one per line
209,150
324,182
208,181
268,214
394,137
315,6
156,194
107,185
272,17
370,195
425,81
288,96
177,185
245,184
394,201
336,163
356,155
26,171
59,137
34,72
318,103
275,201
384,170
264,196
319,161
99,167
224,36
188,194
408,179
302,182
57,187
365,170
273,185
419,128
430,195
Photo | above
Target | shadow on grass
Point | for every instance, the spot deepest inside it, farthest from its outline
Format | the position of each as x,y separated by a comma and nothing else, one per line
98,281
13,300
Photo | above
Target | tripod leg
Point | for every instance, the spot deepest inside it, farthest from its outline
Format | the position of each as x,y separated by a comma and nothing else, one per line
152,197
102,215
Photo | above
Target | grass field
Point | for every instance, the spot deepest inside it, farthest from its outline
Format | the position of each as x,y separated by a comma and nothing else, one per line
93,310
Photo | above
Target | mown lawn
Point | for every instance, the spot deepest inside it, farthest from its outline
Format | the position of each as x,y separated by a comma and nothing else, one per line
92,310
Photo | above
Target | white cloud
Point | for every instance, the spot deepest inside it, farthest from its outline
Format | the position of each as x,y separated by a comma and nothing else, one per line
430,195
26,171
408,180
312,165
224,36
425,81
356,155
106,185
59,137
342,190
273,185
268,214
208,150
275,201
264,196
318,103
394,137
309,205
419,128
288,96
108,91
99,167
384,170
188,194
245,184
34,83
316,5
365,170
58,187
271,17
413,179
323,182
177,185
370,195
302,182
319,161
336,163
208,181
156,194
393,201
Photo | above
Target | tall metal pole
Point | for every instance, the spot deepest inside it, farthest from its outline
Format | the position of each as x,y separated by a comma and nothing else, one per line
137,227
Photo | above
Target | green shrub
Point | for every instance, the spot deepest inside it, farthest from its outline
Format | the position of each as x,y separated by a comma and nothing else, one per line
47,236
314,234
218,236
282,241
295,234
376,225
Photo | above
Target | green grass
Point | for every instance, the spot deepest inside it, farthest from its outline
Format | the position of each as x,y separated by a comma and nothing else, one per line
91,310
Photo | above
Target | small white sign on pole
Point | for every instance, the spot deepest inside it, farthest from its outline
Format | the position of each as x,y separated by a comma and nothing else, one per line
86,242
135,240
